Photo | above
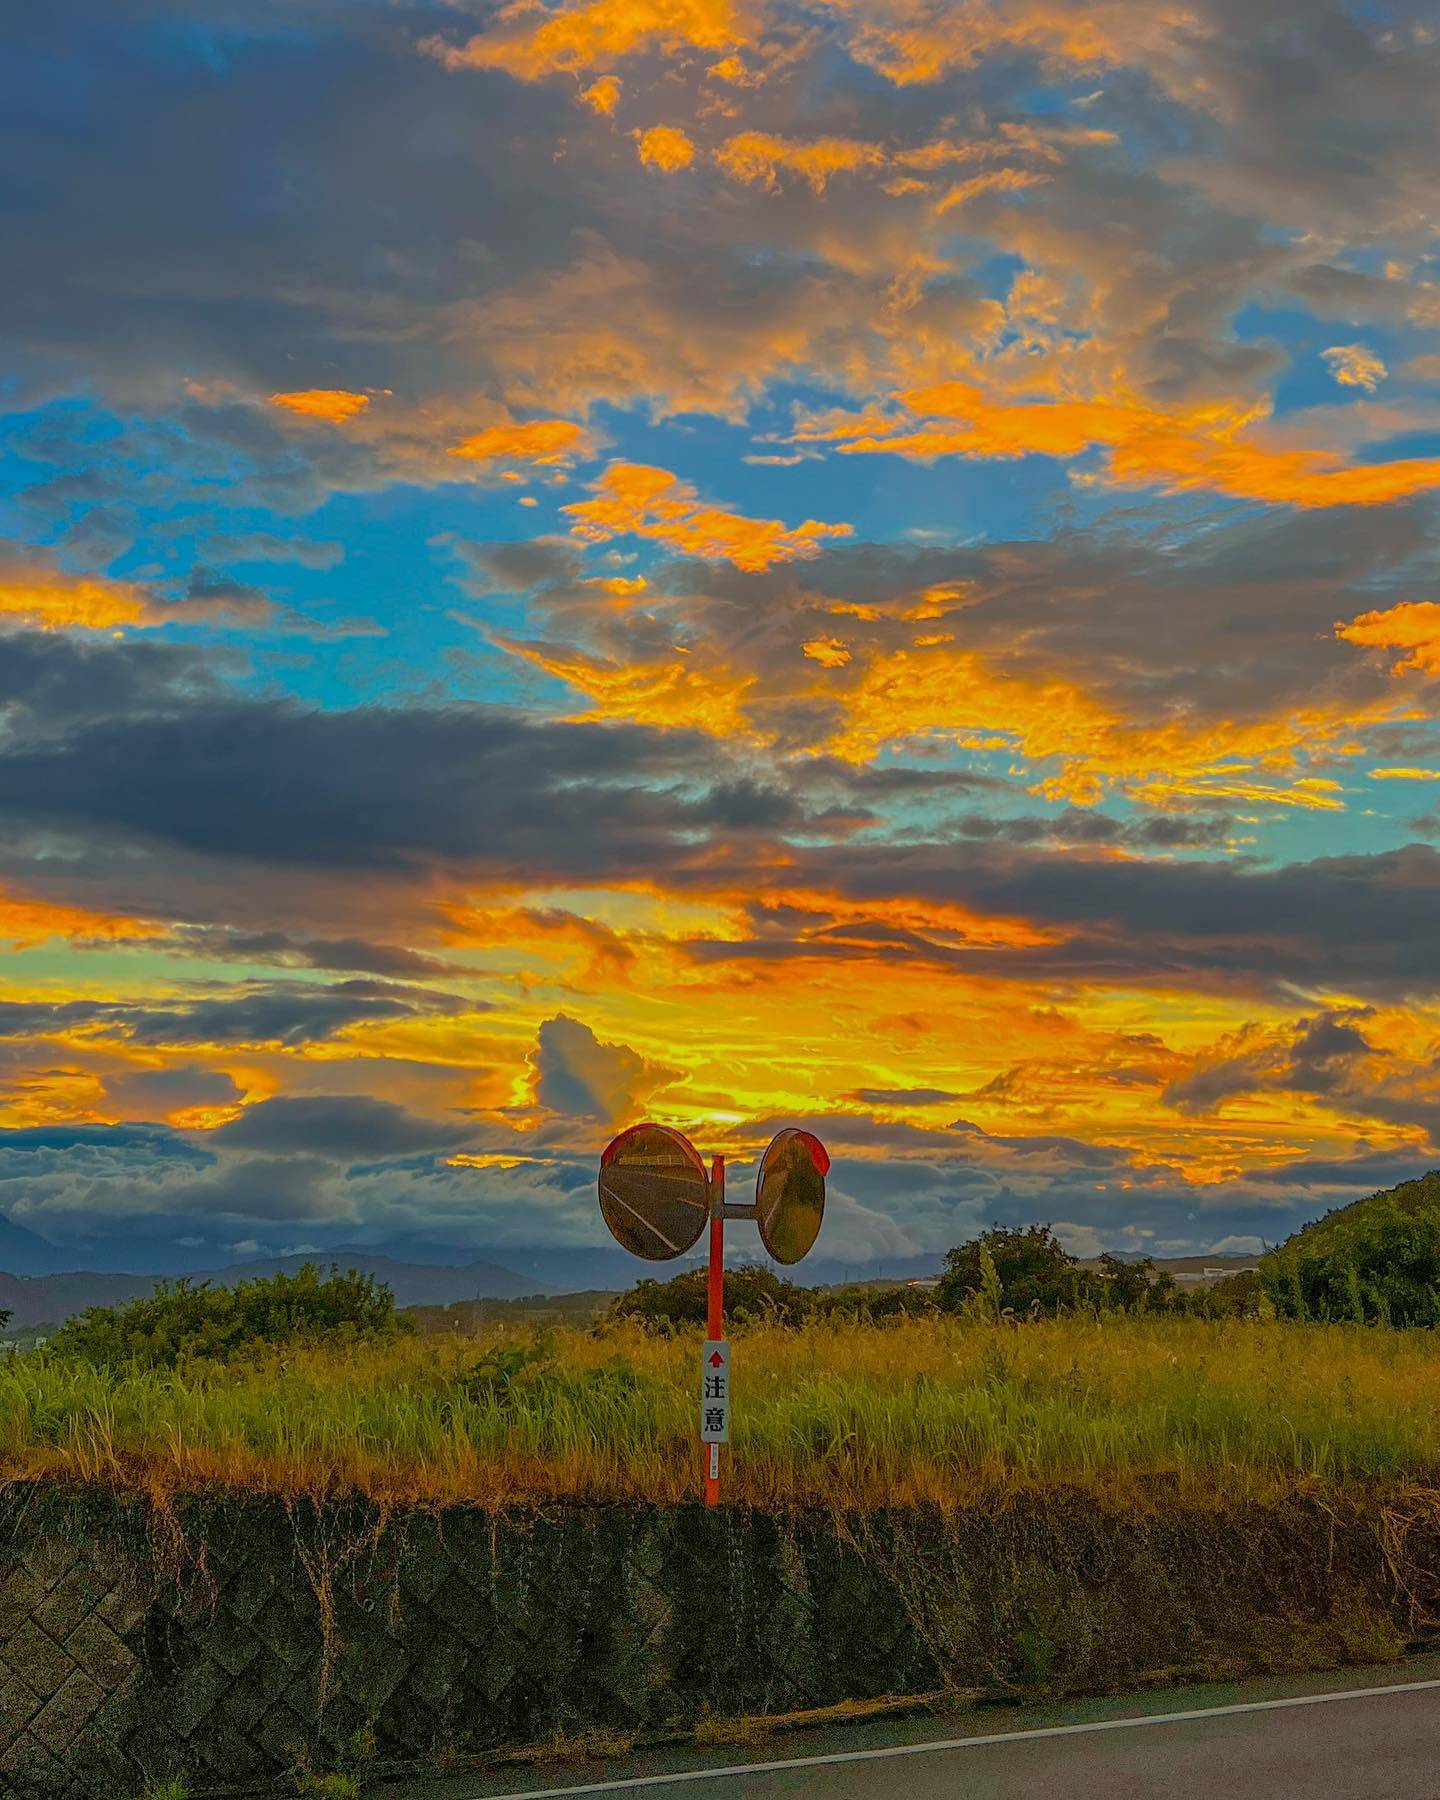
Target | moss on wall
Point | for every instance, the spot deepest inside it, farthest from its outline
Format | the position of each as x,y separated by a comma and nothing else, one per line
226,1639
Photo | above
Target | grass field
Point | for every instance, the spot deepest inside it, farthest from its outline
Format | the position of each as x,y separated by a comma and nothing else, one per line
836,1415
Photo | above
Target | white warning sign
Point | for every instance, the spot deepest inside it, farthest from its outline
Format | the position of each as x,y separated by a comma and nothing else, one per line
715,1392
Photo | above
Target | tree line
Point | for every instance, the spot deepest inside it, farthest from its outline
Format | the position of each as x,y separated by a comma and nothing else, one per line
1008,1271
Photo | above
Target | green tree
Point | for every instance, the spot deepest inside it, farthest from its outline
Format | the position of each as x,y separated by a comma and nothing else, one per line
182,1320
1028,1266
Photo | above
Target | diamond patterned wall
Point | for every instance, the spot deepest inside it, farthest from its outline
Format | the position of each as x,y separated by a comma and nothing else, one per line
271,1635
228,1643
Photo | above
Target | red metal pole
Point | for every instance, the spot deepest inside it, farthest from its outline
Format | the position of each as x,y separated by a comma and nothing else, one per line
715,1305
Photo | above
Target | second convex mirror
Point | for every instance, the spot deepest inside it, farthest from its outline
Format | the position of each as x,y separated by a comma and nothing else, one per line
790,1194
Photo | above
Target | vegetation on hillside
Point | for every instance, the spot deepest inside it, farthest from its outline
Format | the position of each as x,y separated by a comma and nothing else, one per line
942,1410
1376,1260
182,1321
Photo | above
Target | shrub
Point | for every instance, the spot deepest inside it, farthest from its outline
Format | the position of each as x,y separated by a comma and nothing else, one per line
180,1320
752,1294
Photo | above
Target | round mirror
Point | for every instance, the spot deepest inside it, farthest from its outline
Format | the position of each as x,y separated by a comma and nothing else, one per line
790,1194
654,1192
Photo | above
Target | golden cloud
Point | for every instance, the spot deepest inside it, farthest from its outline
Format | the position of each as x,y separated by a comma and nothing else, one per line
829,652
1202,447
602,96
635,499
48,600
664,147
332,405
911,41
26,921
1413,626
757,157
672,691
530,41
542,441
1353,365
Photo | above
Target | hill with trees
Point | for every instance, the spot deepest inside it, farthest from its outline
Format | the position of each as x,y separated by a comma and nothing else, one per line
1375,1259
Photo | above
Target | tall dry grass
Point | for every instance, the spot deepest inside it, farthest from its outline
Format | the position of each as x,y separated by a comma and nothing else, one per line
838,1415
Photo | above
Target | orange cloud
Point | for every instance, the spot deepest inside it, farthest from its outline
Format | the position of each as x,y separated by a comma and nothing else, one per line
757,157
1145,446
993,181
910,41
1405,774
1413,626
602,96
542,441
49,600
530,41
830,653
671,691
334,405
652,503
25,922
664,147
1353,365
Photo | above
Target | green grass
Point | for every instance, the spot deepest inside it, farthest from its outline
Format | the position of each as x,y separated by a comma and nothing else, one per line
929,1411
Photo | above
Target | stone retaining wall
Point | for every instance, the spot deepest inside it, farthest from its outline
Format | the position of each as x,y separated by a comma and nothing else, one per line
227,1641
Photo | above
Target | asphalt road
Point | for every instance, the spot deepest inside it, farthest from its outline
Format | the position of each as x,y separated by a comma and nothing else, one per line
1371,1734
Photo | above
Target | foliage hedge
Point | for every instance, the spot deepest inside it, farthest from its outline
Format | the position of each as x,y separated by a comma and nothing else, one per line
182,1320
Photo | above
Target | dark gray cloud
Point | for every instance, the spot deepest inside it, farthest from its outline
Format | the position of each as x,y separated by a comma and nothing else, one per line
154,1092
281,1013
372,786
493,794
292,1188
1166,831
50,682
903,1096
290,1013
340,1127
341,955
1359,924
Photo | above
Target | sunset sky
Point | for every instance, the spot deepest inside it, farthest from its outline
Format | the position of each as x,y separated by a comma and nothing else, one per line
868,564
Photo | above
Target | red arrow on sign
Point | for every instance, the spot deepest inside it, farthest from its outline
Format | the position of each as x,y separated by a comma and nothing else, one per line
716,1360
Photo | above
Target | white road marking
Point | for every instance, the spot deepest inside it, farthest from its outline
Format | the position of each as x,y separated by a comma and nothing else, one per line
649,1224
932,1746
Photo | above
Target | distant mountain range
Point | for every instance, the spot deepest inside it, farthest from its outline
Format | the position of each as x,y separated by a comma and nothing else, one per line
51,1299
45,1295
